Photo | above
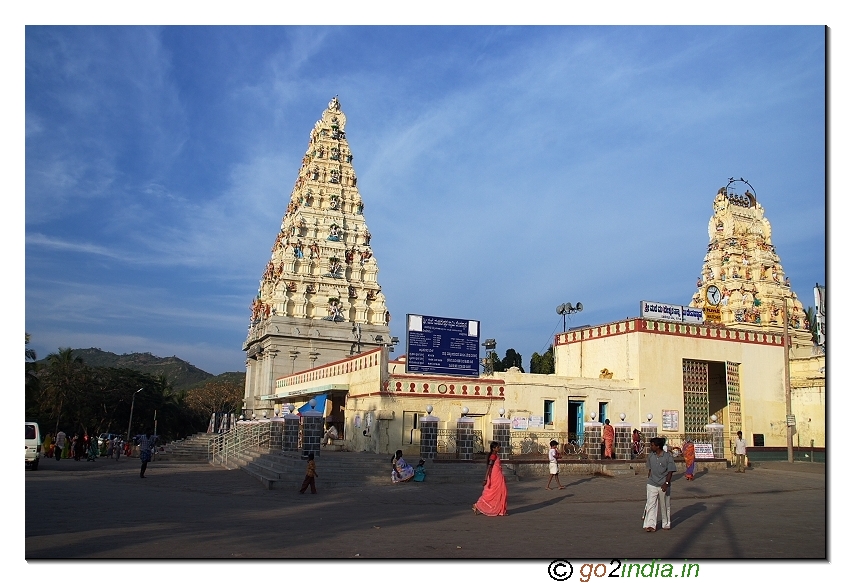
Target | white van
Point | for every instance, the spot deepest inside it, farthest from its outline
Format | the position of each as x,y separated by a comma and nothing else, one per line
32,444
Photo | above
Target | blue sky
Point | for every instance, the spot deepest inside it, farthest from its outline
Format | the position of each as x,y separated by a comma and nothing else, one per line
505,170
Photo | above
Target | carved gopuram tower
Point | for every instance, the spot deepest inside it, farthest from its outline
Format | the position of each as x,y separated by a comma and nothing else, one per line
742,275
319,300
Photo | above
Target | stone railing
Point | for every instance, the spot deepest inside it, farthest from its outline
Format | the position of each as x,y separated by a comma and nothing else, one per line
333,369
661,327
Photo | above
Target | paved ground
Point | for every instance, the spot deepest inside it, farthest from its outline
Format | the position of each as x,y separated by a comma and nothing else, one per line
201,511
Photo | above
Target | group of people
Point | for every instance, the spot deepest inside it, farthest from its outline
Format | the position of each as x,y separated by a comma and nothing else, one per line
115,447
78,447
493,501
608,441
401,471
660,467
404,472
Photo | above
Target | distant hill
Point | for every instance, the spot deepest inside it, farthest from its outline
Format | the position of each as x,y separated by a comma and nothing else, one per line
227,377
178,372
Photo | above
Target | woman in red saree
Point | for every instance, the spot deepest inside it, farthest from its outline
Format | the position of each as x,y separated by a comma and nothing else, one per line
690,459
494,498
608,439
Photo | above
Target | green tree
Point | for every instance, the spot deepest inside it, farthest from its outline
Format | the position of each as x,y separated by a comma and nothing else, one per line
543,363
31,383
811,316
30,352
216,396
61,383
512,358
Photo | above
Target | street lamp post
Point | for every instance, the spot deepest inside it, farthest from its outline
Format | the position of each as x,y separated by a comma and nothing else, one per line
132,405
788,427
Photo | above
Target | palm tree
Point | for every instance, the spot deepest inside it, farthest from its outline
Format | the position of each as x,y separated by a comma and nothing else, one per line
30,352
63,379
31,384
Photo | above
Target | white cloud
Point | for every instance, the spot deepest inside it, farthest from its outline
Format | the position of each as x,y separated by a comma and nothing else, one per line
55,244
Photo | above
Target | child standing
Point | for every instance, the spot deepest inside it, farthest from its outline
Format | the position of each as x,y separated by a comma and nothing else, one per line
554,456
310,478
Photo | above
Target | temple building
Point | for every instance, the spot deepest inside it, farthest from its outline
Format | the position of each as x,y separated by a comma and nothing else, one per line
319,331
319,299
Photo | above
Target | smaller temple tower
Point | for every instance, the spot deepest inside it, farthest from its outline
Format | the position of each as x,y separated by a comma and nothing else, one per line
319,300
742,275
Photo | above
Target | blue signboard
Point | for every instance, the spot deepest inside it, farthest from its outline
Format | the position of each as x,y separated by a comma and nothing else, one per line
442,346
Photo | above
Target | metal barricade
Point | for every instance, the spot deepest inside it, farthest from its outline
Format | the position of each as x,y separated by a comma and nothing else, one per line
532,445
447,443
240,438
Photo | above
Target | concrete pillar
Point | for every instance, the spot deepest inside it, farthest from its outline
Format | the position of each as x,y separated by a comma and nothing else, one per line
465,438
270,354
623,441
593,440
276,434
715,434
249,383
312,430
291,428
428,437
502,434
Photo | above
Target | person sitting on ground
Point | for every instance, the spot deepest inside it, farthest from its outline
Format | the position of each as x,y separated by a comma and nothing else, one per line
402,471
330,435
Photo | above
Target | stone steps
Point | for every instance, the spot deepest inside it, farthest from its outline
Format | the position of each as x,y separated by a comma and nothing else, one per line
192,449
280,470
619,471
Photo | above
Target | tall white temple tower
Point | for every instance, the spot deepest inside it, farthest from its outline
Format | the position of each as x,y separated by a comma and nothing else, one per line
742,276
319,300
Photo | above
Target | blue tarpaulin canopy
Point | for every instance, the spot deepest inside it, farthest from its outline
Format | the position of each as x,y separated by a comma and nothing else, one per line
320,404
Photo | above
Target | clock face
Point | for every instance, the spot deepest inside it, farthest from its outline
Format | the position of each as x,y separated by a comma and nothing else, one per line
712,295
